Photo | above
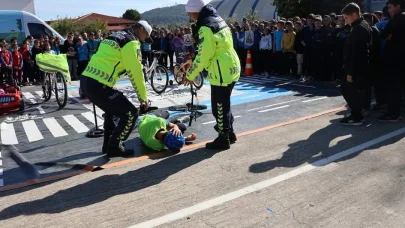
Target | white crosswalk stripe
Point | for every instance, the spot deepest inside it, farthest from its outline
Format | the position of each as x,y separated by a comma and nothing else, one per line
54,127
30,97
7,132
90,117
32,131
39,93
75,123
89,106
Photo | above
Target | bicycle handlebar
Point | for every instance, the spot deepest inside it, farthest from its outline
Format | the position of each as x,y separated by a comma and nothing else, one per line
142,109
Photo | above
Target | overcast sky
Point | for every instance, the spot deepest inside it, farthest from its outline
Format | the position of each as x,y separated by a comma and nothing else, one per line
51,9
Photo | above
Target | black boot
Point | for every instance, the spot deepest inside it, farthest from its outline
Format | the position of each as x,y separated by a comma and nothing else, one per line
107,136
118,150
220,143
232,135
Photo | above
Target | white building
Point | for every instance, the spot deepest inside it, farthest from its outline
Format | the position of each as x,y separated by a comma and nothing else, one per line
264,8
25,5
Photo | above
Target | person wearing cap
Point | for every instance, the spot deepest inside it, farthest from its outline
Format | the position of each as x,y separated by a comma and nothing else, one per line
216,55
117,55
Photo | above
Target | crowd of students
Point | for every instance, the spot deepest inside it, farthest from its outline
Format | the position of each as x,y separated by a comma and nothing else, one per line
18,61
312,48
326,48
308,48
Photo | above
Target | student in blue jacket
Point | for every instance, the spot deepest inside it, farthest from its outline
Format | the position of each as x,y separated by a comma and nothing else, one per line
83,55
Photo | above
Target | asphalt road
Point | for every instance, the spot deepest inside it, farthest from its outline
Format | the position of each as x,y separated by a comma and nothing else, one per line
43,141
312,173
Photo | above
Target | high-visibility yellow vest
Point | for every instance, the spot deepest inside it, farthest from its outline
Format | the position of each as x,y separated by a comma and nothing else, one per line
54,63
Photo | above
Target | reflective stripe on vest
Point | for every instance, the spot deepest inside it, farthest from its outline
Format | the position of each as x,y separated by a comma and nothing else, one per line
98,73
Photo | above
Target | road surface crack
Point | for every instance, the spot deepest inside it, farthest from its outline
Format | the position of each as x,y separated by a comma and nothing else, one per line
292,213
206,223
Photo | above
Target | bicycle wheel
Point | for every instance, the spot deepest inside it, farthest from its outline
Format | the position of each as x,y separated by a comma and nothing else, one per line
178,75
187,107
199,81
60,90
47,87
159,79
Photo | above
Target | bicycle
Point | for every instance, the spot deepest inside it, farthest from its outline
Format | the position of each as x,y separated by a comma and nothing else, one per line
180,72
182,113
156,72
50,85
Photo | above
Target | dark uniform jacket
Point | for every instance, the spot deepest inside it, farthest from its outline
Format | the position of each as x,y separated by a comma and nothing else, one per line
356,52
394,33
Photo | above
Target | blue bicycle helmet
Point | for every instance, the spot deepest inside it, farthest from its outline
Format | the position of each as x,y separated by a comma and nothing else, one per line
173,142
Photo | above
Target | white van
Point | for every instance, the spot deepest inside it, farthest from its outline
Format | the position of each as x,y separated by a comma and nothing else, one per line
20,24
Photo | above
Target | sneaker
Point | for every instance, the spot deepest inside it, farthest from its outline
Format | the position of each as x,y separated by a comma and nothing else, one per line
348,121
183,119
389,118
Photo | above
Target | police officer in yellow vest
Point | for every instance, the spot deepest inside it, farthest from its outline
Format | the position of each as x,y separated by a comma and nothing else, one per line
217,55
118,55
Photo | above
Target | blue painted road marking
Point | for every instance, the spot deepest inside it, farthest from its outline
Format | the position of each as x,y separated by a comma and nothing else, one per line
252,93
245,93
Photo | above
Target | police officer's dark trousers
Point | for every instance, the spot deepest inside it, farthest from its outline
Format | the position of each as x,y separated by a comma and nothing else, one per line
221,109
113,103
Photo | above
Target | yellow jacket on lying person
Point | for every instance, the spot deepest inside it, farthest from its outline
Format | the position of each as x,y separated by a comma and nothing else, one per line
215,50
54,63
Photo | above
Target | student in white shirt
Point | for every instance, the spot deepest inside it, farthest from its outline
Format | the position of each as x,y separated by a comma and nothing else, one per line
266,47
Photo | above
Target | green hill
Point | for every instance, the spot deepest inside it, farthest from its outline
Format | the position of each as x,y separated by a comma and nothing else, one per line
167,15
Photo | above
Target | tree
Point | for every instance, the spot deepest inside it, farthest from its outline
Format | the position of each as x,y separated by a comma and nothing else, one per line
66,25
132,14
291,8
251,15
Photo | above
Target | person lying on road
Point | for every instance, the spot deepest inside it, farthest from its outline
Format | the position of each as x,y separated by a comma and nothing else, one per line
157,133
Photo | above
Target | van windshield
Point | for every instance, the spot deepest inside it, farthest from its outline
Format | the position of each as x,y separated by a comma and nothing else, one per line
37,30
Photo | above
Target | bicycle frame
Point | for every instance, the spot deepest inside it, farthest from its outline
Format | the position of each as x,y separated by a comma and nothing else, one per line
149,69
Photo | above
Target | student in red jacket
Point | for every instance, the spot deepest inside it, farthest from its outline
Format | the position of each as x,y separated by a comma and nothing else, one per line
28,63
17,65
6,60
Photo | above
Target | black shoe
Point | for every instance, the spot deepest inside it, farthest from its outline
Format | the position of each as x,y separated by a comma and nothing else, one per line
118,150
232,138
105,143
220,143
378,107
349,121
389,118
232,135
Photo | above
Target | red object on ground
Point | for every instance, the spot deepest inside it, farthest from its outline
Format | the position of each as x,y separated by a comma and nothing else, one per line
11,100
249,66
